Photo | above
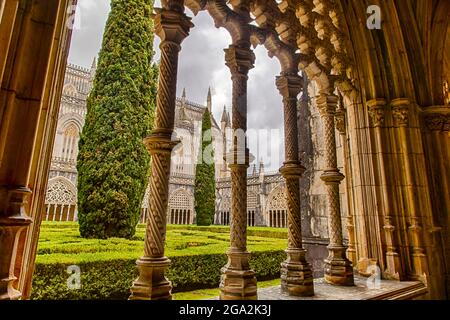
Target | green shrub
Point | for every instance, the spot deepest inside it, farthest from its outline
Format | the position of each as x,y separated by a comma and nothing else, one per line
105,280
113,163
108,266
205,183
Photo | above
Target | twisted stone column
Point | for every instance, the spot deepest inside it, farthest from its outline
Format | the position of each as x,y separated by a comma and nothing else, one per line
238,281
296,273
172,26
338,269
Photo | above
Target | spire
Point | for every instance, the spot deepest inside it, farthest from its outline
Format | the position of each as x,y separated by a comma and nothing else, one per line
228,120
261,166
93,67
209,101
183,116
254,173
94,64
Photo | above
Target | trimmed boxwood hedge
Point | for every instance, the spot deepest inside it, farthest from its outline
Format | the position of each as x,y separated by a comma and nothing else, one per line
264,232
106,280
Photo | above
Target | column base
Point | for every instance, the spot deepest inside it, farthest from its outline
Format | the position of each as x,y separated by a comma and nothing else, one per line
296,274
338,269
151,284
7,292
420,267
11,229
238,281
393,267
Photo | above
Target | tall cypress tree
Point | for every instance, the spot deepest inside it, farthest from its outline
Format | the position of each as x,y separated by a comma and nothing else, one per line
113,164
205,184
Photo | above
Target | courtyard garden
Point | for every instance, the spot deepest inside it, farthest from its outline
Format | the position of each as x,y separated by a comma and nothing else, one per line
108,267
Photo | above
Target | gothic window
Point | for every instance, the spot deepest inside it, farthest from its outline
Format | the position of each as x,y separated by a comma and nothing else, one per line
277,208
70,90
252,202
70,143
224,209
61,201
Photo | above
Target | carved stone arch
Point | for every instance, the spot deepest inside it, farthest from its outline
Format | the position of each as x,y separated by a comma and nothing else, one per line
277,198
181,198
396,53
68,119
440,51
276,207
61,191
370,77
180,209
223,212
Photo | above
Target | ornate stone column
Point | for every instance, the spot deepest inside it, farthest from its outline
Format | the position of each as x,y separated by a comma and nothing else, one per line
341,126
394,269
296,273
172,26
401,116
338,269
238,281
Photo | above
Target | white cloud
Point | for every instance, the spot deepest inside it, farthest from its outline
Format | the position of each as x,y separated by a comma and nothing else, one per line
201,65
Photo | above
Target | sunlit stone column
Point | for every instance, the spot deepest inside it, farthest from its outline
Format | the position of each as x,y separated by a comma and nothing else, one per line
172,26
296,273
402,123
338,269
238,281
341,126
377,109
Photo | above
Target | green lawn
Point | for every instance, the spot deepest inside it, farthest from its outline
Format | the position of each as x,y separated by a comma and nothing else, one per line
108,267
60,242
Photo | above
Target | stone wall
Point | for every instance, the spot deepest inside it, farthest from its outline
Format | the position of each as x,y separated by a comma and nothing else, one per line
312,148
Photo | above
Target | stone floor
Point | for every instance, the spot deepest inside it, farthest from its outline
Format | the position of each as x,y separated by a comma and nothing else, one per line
385,290
361,291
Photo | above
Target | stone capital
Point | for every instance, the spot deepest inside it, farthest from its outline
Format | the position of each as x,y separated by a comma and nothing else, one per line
289,85
327,104
239,157
171,26
376,108
437,118
239,59
332,177
400,111
12,202
161,142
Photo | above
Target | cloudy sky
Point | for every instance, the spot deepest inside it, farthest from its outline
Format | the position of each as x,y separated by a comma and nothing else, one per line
202,65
